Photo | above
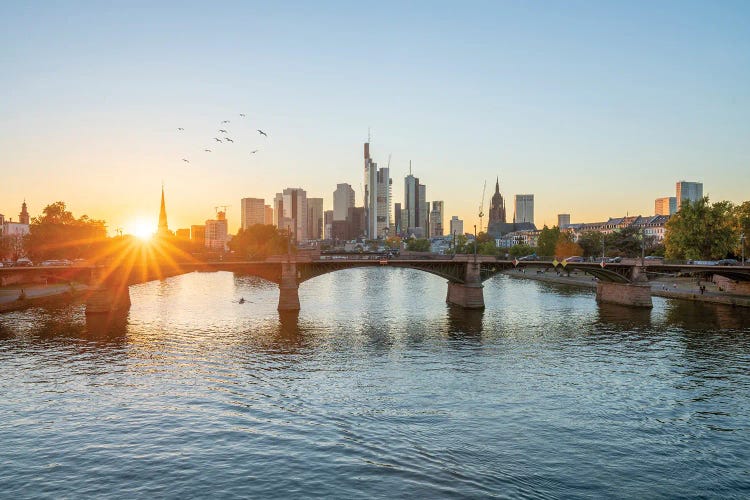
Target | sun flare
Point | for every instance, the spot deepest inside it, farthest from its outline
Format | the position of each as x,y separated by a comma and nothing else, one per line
142,229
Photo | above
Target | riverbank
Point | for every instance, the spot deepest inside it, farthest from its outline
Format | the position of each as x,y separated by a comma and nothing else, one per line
672,288
21,297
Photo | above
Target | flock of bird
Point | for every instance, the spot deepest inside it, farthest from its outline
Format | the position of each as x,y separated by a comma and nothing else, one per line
224,133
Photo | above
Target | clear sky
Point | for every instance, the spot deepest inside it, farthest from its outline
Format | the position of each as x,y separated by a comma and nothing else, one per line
597,108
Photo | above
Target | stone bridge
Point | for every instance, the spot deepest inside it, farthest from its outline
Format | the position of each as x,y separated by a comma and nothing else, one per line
620,283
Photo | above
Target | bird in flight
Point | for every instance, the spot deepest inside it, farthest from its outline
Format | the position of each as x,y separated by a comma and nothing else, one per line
217,139
242,115
228,139
180,128
186,161
262,133
223,131
253,152
225,121
207,150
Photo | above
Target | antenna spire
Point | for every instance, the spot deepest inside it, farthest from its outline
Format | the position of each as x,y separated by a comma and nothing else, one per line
409,167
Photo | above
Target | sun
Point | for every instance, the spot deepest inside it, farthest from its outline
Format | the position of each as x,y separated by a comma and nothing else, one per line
141,229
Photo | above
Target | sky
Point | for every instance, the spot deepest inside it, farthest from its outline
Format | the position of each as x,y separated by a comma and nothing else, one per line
597,108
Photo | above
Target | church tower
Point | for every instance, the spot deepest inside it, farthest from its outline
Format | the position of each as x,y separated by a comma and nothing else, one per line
163,229
23,217
497,206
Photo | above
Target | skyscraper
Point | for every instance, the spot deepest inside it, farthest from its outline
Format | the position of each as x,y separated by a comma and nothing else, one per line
456,226
314,218
563,220
252,211
377,202
436,219
217,232
524,208
691,191
291,212
268,215
415,211
163,229
665,206
328,224
343,198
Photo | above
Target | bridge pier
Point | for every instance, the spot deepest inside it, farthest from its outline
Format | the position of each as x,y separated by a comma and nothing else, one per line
625,294
470,294
288,288
104,300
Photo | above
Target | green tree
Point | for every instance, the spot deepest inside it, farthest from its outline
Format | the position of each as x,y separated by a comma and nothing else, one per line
591,243
701,231
521,250
57,234
418,245
488,248
547,241
742,223
259,241
461,244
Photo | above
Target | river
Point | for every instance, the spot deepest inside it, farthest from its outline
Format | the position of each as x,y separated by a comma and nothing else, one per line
377,389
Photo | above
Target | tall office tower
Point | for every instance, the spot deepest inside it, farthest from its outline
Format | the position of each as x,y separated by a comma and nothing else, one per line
415,211
377,202
456,225
328,224
497,206
198,234
252,211
291,212
436,219
563,220
268,215
398,227
23,217
343,198
314,218
691,191
217,232
163,229
665,206
524,209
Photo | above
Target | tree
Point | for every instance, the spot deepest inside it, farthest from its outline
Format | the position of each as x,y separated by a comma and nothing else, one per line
521,250
393,242
547,241
566,248
701,231
742,222
591,243
418,245
488,248
58,234
259,241
461,244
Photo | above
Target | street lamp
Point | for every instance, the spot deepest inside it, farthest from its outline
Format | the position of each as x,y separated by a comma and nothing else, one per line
742,246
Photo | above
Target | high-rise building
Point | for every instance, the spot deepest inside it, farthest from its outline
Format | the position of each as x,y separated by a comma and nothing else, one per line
343,198
524,208
252,211
268,215
563,220
23,217
314,218
456,225
217,232
355,223
377,202
328,224
665,206
290,207
163,229
182,234
436,219
198,234
398,229
690,191
415,211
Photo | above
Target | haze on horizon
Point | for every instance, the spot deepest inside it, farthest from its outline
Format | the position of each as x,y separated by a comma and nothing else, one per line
595,109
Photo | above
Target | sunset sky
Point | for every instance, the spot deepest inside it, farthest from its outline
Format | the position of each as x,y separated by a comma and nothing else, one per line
597,108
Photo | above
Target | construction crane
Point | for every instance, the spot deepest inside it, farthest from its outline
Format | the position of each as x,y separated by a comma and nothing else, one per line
222,207
481,206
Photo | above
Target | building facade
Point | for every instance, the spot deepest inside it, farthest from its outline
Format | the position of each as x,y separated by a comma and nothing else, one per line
456,225
524,208
377,202
690,191
268,215
198,234
343,198
291,212
415,211
252,211
314,218
217,233
497,206
436,219
665,206
563,220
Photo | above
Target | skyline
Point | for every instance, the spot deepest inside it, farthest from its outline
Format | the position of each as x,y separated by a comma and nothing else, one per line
626,100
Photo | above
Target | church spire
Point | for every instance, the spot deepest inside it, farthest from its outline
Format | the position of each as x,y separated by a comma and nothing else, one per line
163,229
497,185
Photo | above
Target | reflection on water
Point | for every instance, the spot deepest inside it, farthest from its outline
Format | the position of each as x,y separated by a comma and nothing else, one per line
376,388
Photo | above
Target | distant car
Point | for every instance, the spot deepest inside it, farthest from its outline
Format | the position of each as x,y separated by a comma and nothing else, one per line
533,256
654,257
24,262
614,260
727,262
574,258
